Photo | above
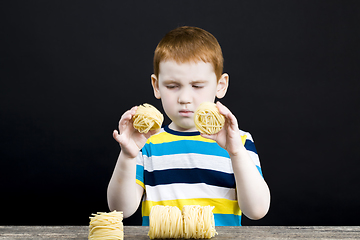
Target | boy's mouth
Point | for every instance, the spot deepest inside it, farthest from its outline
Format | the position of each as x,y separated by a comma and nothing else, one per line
185,113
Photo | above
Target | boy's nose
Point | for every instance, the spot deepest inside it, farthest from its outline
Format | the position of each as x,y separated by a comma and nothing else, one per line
184,98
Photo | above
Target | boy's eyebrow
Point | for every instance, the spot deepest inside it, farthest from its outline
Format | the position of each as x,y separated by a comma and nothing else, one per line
198,81
169,81
191,82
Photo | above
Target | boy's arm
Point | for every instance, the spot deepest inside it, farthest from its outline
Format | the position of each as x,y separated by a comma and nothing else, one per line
123,193
253,193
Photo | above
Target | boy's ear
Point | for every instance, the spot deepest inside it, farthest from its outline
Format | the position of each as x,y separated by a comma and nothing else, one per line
222,86
155,85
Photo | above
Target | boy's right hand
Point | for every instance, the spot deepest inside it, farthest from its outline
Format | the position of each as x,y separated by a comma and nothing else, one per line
131,140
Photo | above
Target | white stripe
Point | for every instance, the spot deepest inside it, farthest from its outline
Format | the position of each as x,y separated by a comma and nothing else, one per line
140,159
248,135
186,191
254,157
186,161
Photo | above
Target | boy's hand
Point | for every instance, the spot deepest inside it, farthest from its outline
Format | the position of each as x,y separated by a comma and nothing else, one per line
130,140
229,136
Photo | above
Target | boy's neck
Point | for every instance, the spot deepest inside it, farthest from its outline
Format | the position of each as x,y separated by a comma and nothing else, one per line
178,133
176,128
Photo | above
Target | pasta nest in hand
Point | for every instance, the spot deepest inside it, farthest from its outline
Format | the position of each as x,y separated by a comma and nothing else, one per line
208,119
147,118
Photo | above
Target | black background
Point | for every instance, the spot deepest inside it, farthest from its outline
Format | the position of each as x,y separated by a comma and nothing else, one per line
69,69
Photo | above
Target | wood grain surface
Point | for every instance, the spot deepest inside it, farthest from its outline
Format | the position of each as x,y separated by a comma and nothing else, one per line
140,233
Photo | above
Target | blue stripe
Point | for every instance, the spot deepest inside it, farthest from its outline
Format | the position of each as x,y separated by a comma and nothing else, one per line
194,175
249,145
184,147
220,220
259,168
145,221
227,220
173,132
140,173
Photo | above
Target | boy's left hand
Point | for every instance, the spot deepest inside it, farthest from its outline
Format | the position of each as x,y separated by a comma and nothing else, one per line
229,136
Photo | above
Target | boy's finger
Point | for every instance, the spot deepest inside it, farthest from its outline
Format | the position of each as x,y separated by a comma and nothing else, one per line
116,135
227,114
208,136
222,108
125,118
151,132
128,114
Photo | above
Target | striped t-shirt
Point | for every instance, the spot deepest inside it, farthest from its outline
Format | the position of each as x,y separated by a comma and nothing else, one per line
183,168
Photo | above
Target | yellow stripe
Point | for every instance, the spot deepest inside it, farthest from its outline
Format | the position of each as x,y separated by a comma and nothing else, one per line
243,139
223,206
166,137
140,183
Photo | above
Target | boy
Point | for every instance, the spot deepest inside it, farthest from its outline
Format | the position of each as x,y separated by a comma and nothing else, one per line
177,166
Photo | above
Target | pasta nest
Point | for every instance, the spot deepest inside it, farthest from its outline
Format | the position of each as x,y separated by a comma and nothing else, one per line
194,221
208,119
147,118
106,226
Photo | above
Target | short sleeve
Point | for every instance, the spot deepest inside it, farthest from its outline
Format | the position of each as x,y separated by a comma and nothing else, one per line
140,170
250,147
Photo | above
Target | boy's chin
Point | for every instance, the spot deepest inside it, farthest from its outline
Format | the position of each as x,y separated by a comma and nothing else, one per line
183,127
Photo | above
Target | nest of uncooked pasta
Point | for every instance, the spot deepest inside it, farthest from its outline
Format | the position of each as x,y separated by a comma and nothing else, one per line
208,119
147,118
106,226
193,221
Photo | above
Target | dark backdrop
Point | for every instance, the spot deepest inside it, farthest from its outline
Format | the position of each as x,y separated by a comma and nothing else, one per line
69,69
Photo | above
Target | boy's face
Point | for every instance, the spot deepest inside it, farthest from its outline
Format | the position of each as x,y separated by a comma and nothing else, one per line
183,87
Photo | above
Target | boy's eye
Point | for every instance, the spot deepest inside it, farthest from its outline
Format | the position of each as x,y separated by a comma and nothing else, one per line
171,86
198,86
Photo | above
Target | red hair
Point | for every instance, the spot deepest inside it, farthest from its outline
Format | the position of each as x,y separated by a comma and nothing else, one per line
186,44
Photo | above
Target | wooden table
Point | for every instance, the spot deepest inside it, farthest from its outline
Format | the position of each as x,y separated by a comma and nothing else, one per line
139,233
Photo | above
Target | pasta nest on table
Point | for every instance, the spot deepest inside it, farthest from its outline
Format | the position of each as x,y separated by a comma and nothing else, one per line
194,221
147,118
106,226
208,119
